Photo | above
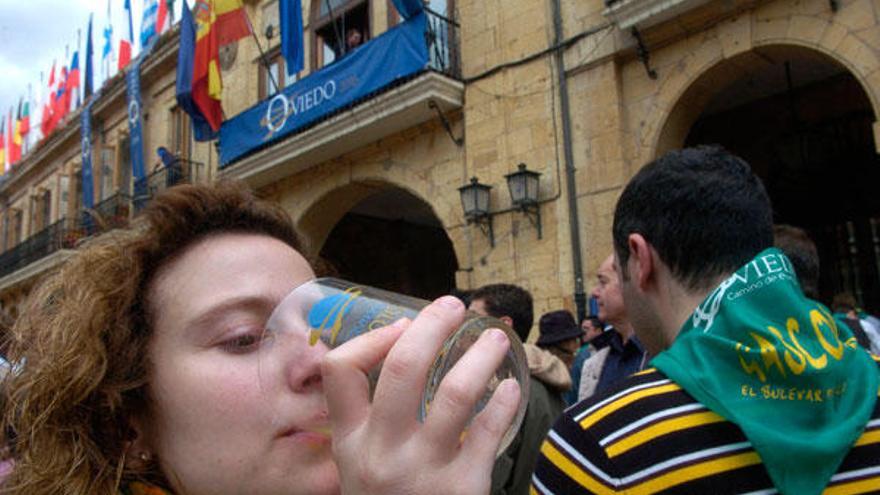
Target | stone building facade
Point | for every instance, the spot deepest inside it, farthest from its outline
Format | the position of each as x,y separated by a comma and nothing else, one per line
582,91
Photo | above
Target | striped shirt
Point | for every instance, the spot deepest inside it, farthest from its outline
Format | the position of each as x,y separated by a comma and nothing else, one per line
647,435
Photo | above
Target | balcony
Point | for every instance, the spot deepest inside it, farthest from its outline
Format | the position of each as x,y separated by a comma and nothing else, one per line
111,213
180,171
285,135
19,263
646,13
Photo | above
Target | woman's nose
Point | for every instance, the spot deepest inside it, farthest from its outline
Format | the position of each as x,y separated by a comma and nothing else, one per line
304,368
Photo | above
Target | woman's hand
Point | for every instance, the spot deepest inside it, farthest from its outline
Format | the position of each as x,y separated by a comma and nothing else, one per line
382,448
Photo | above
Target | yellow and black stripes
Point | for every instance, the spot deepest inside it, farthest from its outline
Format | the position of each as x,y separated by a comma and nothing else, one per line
649,436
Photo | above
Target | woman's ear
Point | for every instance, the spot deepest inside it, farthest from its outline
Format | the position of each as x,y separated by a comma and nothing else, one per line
139,454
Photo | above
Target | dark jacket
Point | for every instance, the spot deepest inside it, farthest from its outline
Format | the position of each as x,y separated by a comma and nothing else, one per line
513,469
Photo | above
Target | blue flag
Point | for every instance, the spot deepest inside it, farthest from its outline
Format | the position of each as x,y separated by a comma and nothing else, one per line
88,185
90,77
201,129
135,121
290,12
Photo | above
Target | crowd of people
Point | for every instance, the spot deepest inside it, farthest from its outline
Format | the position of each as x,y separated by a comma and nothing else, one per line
708,367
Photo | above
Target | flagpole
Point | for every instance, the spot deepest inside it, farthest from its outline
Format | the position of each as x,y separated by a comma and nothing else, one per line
262,53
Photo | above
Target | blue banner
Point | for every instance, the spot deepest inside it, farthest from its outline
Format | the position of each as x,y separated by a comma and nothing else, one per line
88,184
135,126
398,53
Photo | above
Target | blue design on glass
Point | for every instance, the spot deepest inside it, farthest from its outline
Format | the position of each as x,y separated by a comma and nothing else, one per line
328,313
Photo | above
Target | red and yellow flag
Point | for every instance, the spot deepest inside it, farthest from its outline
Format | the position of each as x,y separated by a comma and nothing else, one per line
218,22
2,147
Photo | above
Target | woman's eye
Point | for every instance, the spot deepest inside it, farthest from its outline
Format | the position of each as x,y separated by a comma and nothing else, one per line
243,344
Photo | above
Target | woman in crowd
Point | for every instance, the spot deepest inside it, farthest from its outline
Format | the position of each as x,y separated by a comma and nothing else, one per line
139,368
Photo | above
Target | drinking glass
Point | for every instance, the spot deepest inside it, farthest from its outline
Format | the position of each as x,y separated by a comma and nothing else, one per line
333,311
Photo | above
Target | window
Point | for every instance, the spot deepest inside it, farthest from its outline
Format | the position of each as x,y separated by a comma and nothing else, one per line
276,73
41,210
7,215
47,208
36,216
64,202
17,225
105,174
339,26
180,133
123,158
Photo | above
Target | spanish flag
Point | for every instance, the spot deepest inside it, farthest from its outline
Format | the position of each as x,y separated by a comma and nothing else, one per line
218,22
16,140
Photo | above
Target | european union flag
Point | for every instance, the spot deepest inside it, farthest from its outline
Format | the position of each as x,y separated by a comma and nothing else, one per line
290,12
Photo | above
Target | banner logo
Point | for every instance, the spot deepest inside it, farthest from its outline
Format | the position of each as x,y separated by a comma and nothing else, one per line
281,106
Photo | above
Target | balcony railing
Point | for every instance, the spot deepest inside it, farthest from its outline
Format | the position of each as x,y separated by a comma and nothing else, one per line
442,37
62,234
181,171
111,213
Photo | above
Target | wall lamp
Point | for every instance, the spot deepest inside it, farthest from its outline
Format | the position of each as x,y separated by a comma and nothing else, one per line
523,188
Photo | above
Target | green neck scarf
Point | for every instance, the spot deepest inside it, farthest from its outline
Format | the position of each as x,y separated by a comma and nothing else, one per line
763,356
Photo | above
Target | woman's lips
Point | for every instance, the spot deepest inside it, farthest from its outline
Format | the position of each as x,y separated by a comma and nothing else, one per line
316,434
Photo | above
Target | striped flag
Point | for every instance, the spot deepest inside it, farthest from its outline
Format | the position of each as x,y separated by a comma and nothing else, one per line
218,22
156,21
126,43
2,147
107,52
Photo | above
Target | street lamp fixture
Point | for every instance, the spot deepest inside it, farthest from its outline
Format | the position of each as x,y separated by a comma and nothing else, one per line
475,203
523,188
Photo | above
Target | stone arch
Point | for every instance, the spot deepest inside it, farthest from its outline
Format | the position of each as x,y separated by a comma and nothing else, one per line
805,118
684,97
394,211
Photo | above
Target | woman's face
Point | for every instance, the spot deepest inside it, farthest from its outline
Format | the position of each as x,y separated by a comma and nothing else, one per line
231,412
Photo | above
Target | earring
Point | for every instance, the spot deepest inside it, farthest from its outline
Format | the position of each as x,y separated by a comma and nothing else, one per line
145,456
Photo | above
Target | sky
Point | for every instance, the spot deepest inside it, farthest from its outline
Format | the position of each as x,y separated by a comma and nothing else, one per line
34,33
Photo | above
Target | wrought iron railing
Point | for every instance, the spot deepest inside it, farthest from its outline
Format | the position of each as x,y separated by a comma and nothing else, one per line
443,50
113,212
62,234
181,171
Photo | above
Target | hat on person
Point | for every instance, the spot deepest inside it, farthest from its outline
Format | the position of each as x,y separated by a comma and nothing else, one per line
557,326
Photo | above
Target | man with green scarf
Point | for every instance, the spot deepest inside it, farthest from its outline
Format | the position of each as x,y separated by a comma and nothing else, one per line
754,387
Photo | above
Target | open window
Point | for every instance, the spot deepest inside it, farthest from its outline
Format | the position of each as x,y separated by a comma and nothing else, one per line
339,26
274,74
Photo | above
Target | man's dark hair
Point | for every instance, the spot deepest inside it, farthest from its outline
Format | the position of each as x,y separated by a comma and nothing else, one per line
508,300
703,211
801,250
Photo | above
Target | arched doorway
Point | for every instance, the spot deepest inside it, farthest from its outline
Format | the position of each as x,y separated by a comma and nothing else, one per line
393,240
804,123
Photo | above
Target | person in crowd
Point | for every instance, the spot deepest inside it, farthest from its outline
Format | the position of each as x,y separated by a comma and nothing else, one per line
560,334
549,379
797,245
846,309
801,251
594,338
624,354
141,367
752,389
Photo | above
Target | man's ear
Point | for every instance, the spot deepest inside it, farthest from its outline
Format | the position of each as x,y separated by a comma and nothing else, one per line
641,261
507,321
